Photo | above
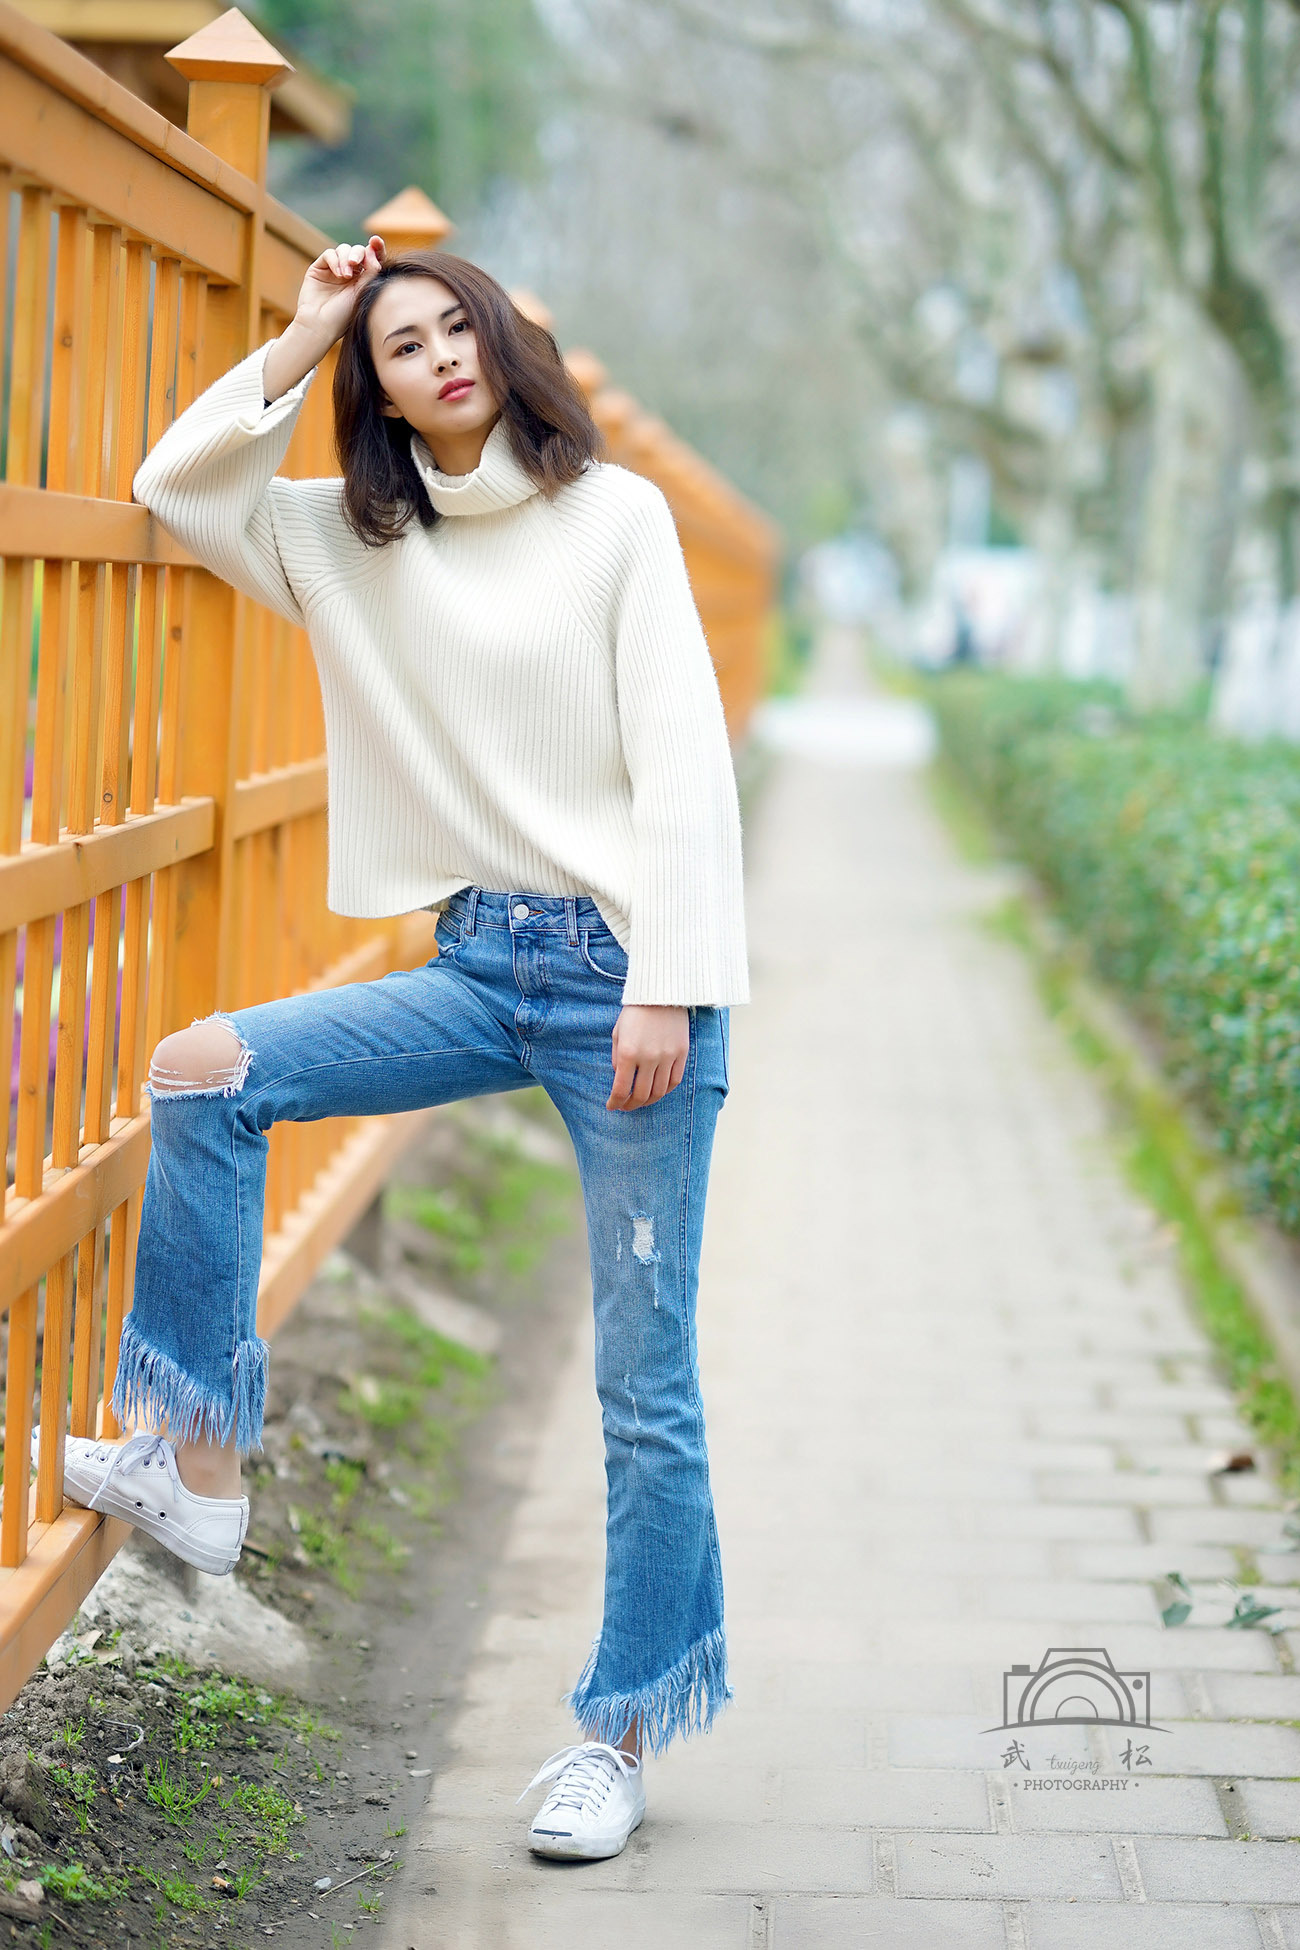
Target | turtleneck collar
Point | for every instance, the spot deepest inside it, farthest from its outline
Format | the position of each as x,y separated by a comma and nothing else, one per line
497,482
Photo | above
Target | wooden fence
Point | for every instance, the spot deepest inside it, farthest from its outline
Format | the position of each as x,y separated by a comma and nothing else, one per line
162,769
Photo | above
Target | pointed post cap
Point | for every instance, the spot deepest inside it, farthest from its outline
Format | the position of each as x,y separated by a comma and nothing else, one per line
410,221
532,306
229,49
613,410
586,369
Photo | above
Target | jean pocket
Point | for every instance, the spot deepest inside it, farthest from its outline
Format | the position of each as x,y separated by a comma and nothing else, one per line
448,936
603,956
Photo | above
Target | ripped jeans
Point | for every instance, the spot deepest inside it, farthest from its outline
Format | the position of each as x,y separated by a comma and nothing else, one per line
525,990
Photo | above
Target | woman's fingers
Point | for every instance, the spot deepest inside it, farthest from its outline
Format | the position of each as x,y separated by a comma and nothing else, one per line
636,1085
624,1078
344,261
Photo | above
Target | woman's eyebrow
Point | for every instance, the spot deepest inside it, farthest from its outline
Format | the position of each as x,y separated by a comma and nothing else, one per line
451,309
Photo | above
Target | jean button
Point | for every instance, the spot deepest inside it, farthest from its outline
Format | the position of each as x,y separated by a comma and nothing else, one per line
520,911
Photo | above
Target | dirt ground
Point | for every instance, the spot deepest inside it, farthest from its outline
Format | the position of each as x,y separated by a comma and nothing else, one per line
217,1767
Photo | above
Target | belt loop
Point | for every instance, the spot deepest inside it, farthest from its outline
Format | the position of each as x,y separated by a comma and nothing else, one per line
471,910
571,918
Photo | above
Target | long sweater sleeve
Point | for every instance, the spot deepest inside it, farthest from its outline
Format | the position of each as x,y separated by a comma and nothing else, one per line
687,932
209,480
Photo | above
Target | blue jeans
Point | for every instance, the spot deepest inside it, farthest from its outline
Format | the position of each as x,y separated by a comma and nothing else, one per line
525,990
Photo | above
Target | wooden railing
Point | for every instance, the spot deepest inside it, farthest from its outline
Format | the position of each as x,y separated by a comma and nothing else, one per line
162,767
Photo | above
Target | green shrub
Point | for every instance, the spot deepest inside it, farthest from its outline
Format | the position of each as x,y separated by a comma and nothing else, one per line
1175,855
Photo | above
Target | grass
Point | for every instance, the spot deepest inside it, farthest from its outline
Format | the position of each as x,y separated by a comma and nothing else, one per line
204,1820
1165,1164
496,1217
324,1545
181,1894
75,1883
1162,1158
77,1786
269,1807
172,1795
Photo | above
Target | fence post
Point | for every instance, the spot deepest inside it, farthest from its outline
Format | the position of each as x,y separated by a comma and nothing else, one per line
231,70
409,221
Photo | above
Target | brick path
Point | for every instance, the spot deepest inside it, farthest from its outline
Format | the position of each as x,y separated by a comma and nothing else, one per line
959,1415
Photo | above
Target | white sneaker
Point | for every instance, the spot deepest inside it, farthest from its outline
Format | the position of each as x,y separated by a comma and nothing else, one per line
597,1800
137,1480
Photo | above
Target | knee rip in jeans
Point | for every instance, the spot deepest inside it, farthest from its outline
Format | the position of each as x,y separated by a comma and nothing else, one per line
189,1063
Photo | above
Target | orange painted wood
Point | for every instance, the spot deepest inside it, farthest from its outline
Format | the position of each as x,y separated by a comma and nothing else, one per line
65,1563
43,880
84,1404
96,168
27,381
124,1232
78,527
55,1355
273,798
20,1381
42,1228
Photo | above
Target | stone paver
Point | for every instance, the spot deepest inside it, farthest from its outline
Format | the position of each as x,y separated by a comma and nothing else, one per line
960,1415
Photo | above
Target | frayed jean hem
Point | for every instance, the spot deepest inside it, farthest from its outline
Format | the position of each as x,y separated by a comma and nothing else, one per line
684,1700
151,1386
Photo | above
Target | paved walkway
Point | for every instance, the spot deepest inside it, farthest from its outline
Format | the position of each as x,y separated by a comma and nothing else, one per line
959,1416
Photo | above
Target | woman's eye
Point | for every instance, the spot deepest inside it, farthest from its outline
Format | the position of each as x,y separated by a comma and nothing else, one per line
407,347
461,325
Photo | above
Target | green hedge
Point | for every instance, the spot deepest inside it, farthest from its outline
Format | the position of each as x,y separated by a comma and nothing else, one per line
1175,856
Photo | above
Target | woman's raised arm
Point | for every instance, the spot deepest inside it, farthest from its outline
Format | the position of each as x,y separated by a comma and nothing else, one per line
210,479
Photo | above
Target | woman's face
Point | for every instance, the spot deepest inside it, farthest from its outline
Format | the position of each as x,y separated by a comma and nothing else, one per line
426,360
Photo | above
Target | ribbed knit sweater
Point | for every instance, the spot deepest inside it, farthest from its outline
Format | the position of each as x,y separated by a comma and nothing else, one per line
520,696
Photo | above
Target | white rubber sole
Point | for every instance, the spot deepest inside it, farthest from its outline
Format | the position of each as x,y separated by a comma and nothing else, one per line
572,1848
134,1510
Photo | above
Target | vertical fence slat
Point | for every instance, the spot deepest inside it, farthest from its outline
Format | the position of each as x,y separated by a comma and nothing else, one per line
54,1387
30,329
124,1235
86,1345
20,1384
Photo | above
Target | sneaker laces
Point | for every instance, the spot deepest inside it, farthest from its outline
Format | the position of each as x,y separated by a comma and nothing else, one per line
579,1771
139,1452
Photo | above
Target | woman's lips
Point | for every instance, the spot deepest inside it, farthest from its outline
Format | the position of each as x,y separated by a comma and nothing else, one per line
455,389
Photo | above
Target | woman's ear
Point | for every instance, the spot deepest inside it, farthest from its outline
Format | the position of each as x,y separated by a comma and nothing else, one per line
387,409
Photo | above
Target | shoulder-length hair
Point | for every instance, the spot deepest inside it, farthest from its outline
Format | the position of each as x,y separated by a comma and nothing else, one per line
552,434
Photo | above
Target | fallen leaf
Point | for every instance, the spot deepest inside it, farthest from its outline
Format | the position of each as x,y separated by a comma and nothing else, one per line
1180,1611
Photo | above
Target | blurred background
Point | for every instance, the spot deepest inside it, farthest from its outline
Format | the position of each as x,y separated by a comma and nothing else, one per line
998,299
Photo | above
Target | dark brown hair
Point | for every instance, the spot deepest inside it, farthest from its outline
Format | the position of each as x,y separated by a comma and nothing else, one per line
552,434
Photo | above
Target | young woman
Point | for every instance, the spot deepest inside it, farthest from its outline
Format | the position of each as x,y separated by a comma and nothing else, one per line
524,734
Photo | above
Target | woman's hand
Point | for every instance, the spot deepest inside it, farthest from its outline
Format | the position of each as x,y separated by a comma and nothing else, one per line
332,286
325,304
651,1044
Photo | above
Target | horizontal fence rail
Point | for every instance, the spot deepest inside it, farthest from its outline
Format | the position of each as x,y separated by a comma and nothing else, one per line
162,755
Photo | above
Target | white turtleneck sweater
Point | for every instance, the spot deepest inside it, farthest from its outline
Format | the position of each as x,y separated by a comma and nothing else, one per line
520,696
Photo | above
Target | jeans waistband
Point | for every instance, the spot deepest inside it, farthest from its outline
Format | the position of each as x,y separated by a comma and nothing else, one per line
524,913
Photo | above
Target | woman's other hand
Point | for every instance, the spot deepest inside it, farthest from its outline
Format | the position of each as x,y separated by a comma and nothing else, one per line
325,304
651,1044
